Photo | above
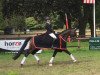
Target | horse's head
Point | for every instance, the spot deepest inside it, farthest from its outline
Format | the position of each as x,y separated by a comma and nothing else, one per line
68,32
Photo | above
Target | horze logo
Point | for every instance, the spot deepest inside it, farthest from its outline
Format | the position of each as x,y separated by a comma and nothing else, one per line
12,43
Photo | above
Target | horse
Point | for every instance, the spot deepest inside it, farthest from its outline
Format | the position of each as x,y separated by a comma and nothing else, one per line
45,41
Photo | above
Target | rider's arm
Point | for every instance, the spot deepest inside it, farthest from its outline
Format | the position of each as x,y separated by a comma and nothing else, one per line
49,28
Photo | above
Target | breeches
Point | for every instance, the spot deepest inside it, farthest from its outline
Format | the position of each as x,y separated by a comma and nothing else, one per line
53,35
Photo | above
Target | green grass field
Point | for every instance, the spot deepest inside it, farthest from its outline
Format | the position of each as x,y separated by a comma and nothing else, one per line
88,63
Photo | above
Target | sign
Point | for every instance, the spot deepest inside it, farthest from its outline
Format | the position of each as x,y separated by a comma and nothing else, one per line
13,45
89,1
94,43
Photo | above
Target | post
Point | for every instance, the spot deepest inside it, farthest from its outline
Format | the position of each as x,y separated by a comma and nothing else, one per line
66,21
94,20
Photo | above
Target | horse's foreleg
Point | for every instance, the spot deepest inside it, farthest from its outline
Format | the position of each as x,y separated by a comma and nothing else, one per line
25,56
72,57
53,56
35,56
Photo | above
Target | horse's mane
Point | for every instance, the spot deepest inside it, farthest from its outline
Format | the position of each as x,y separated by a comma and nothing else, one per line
64,32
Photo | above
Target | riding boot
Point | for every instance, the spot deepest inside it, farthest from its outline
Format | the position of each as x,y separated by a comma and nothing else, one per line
54,38
53,43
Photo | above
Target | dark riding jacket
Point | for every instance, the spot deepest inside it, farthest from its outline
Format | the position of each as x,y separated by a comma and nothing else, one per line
49,28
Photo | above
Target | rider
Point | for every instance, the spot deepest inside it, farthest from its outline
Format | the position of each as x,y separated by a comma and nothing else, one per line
48,27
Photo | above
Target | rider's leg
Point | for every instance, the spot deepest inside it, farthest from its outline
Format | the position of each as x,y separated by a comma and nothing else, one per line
72,57
53,35
25,56
54,38
53,56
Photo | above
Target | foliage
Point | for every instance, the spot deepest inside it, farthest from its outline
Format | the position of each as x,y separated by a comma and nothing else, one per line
98,13
55,19
30,22
1,21
16,22
1,15
41,8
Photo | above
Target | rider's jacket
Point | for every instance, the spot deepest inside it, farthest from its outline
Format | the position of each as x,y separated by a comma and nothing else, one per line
49,28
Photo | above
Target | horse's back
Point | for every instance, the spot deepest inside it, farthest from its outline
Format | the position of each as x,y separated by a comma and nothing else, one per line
43,40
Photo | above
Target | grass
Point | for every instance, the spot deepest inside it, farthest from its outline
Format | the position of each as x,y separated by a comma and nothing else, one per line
88,63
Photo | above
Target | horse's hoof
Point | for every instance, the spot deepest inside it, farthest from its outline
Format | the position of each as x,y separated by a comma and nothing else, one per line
21,65
50,64
74,60
38,61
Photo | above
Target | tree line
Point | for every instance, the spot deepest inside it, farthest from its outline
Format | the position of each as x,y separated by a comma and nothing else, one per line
31,13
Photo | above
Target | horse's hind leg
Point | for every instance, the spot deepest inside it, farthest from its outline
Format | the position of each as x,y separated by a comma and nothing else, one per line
72,57
53,56
25,56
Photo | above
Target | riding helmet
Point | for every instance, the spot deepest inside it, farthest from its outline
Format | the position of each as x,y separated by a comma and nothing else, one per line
47,18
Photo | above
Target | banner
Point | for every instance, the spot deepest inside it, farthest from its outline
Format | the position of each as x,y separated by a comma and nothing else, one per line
94,43
13,45
89,1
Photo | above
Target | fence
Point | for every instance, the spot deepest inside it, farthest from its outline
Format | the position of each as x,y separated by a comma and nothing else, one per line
18,37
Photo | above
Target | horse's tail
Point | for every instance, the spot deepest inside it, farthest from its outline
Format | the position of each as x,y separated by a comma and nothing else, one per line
22,48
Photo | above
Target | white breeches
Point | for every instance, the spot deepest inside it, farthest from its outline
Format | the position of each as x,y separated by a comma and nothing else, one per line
53,35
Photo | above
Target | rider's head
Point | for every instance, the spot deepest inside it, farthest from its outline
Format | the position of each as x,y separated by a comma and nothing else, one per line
47,19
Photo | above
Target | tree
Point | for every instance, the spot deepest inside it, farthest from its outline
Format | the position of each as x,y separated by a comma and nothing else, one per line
98,15
30,22
1,15
41,8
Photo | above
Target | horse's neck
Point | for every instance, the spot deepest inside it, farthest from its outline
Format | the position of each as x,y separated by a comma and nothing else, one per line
65,32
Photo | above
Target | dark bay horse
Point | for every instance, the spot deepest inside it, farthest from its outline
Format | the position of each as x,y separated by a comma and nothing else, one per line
45,41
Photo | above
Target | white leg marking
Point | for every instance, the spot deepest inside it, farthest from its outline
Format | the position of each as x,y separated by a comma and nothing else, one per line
73,58
23,60
51,61
36,57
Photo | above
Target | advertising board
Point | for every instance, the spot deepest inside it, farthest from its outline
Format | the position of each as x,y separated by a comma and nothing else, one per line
13,45
94,43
